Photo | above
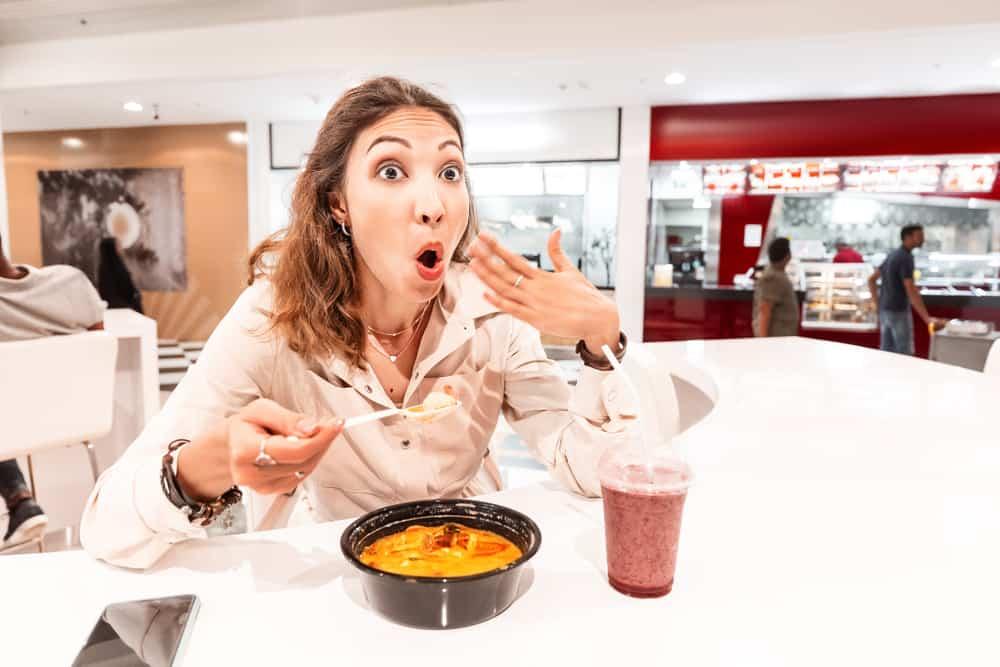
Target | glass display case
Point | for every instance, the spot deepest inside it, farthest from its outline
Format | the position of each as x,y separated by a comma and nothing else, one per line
523,204
942,273
837,296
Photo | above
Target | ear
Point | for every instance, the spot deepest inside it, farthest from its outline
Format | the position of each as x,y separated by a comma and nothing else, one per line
337,207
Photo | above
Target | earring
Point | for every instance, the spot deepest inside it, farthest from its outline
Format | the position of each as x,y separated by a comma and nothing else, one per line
344,230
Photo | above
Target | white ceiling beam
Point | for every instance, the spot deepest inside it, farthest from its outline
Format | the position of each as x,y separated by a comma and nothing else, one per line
462,34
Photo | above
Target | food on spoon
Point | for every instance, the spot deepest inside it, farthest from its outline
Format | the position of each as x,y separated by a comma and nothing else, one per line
451,550
435,401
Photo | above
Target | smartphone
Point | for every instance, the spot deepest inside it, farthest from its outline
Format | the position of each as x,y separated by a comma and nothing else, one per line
144,633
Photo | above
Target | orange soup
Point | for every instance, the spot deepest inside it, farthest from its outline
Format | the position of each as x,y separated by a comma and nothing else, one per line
451,550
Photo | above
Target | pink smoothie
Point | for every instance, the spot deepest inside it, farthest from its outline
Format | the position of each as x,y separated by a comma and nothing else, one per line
642,525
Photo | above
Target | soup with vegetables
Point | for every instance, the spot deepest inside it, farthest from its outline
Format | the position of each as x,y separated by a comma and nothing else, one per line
451,550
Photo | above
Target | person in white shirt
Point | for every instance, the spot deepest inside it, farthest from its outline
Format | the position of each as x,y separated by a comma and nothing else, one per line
35,303
378,294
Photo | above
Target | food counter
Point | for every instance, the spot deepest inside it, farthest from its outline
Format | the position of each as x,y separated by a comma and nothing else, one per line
712,312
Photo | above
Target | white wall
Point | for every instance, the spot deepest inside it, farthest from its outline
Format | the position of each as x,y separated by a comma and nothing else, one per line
258,181
290,141
633,205
549,136
280,186
4,225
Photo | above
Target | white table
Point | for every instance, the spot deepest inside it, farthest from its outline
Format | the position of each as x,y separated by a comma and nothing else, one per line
846,512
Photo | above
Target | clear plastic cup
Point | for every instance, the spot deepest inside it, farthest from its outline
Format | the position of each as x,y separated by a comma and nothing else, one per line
644,497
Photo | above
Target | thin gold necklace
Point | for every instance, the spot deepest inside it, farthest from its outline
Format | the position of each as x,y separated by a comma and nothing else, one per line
387,334
393,357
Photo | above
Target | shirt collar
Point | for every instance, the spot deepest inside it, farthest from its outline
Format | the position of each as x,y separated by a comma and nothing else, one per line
462,295
460,302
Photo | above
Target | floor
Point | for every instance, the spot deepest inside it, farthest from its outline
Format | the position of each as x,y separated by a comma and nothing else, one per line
517,465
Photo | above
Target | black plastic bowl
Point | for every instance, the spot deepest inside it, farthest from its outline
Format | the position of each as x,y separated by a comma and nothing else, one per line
441,602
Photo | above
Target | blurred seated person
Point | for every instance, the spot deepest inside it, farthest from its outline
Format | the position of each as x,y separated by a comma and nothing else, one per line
846,254
775,304
35,303
114,282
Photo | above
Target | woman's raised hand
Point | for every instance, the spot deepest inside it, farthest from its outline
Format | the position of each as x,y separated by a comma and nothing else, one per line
562,303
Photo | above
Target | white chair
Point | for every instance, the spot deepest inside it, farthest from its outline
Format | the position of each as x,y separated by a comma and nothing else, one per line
992,366
56,391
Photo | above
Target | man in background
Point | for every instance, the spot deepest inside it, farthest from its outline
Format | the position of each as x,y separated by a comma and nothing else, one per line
898,292
775,304
846,254
35,303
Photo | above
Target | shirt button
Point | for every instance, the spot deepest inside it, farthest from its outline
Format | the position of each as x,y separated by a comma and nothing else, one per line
368,388
406,444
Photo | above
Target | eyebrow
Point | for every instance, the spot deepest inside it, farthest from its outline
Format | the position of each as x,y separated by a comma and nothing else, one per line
389,137
400,140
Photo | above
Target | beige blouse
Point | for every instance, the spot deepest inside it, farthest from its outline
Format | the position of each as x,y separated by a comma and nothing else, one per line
494,363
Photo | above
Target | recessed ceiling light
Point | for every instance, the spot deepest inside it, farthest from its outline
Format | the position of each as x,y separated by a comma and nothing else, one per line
237,137
72,142
674,79
132,106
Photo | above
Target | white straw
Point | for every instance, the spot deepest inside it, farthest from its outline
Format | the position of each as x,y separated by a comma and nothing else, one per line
613,360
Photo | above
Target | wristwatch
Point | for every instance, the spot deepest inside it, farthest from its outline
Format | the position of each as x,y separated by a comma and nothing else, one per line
205,512
598,361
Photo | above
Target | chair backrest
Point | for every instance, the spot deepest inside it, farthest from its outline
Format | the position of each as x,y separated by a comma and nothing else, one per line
658,404
992,366
55,391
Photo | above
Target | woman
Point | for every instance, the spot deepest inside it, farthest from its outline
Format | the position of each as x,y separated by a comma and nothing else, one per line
114,282
378,294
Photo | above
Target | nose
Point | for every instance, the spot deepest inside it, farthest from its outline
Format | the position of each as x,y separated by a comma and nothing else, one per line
429,208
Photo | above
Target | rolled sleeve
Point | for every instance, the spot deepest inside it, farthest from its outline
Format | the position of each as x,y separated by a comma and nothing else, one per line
128,520
566,430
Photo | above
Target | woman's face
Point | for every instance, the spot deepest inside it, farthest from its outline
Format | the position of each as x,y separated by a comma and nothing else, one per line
405,201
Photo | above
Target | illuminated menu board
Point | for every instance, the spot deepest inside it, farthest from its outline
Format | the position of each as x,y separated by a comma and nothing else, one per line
777,177
725,179
969,176
892,176
939,174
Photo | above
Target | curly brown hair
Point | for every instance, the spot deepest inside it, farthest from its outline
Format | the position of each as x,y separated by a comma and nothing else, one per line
311,263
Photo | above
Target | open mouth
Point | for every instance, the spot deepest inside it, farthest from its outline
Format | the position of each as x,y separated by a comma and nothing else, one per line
428,258
430,264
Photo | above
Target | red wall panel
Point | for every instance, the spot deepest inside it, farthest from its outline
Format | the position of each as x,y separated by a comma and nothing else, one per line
827,128
737,213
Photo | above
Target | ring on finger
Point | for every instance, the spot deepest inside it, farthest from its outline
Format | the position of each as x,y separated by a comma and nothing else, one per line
264,459
518,280
299,475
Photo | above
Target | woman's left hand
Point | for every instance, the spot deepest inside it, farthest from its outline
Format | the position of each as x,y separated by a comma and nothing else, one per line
561,303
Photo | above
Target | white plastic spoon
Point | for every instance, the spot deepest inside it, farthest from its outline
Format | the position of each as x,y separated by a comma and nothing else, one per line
417,412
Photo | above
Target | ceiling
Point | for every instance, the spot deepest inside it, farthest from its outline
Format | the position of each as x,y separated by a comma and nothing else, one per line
37,20
926,60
